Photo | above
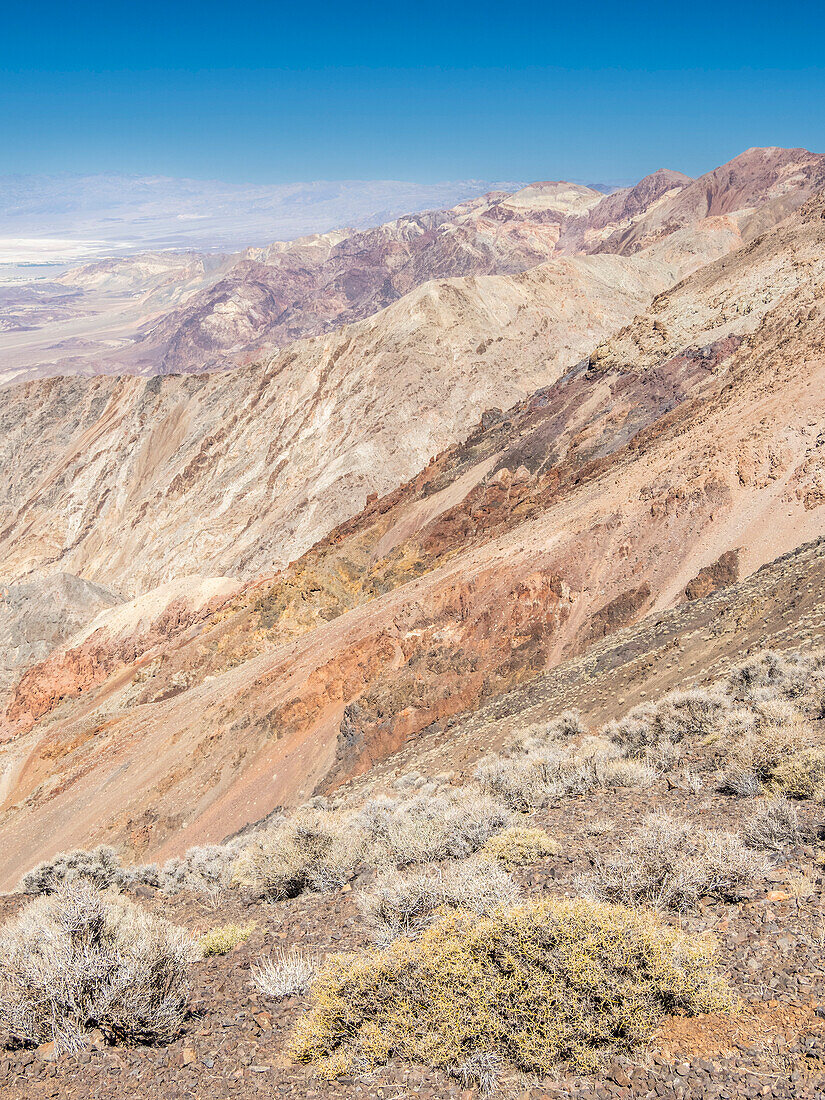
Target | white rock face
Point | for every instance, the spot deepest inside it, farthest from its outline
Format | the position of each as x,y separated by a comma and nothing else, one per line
37,616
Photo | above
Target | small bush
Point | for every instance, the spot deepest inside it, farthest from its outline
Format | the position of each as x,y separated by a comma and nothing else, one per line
100,867
523,782
480,1070
624,773
404,904
542,983
79,959
206,869
287,974
671,864
519,845
534,774
775,826
742,781
778,757
310,850
801,775
568,724
448,825
679,716
217,941
772,675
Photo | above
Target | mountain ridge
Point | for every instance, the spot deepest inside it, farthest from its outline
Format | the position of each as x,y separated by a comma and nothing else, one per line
586,506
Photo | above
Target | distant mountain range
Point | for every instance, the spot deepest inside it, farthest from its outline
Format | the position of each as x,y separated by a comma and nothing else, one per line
66,218
323,497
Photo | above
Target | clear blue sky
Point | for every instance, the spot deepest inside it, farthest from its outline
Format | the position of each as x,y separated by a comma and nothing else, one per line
270,92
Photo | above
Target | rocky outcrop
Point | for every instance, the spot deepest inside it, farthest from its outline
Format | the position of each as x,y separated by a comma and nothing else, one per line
38,616
723,572
127,636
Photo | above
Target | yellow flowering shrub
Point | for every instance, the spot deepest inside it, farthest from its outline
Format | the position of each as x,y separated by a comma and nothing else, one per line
519,845
551,981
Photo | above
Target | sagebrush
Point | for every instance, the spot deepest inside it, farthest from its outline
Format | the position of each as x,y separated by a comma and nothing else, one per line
671,864
79,959
399,903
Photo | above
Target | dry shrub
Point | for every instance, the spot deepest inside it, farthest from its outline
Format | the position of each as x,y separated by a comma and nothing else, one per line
539,735
100,867
207,869
778,756
671,864
775,675
568,724
319,848
775,826
288,973
449,825
522,782
312,850
530,775
480,1070
679,716
623,773
403,904
518,846
801,775
542,983
79,959
218,941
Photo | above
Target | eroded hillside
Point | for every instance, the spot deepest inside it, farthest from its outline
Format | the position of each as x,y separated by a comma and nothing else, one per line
619,490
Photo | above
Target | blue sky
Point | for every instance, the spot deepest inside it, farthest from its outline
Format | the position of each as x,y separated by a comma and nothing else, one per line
272,93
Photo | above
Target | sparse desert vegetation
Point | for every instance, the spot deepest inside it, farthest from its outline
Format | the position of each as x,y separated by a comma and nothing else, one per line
538,984
404,903
217,941
288,973
441,878
81,959
518,845
671,864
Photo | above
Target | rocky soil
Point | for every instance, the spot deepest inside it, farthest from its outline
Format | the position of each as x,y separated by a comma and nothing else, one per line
770,945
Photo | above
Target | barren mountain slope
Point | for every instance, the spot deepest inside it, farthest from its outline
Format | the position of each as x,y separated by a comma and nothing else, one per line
80,323
599,499
131,482
276,295
760,187
240,309
142,314
272,296
618,211
38,616
391,386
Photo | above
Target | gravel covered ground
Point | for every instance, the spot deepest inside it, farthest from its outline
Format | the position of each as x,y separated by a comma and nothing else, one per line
771,944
